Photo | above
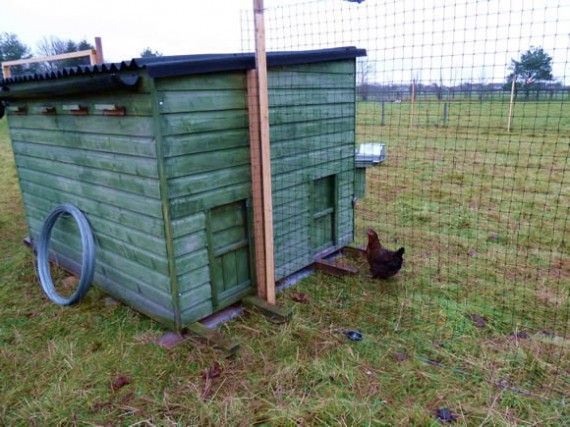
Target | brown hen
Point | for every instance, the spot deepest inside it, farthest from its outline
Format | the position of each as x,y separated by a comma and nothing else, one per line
384,263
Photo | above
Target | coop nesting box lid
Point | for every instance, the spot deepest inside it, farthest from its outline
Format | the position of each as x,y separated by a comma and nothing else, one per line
370,154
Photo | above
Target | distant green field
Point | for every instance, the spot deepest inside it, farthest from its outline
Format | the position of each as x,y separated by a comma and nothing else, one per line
476,321
484,211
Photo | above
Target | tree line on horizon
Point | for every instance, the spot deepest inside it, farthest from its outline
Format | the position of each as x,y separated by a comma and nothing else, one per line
531,74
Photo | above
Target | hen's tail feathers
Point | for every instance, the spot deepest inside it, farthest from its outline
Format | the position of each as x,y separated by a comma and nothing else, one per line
401,251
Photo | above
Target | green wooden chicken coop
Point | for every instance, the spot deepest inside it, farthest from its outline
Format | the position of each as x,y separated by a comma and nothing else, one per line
155,153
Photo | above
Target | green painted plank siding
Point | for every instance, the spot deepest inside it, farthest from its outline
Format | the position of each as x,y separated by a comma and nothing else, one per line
83,157
201,100
203,121
208,181
179,145
312,136
205,135
205,162
107,167
139,222
182,206
124,126
122,232
146,187
115,144
123,199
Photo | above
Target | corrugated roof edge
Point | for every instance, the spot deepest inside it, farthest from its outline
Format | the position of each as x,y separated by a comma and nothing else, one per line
168,66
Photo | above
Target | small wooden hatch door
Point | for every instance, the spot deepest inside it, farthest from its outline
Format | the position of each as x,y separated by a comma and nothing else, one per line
229,253
323,213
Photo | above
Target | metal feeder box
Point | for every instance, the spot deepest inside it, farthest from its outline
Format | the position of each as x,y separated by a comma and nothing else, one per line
367,155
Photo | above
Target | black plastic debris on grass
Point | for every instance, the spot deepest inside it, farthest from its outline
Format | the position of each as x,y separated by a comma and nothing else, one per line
352,335
445,416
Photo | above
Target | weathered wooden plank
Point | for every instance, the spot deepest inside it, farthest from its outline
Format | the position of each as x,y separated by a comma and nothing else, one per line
290,194
195,296
213,338
123,280
243,272
290,179
297,146
234,295
113,247
272,311
296,227
107,240
202,121
130,220
201,100
102,228
121,199
188,224
194,283
294,80
210,180
283,212
137,146
228,217
230,270
196,312
68,244
324,160
279,97
290,131
292,114
141,126
125,182
204,162
151,302
189,243
139,166
182,206
296,238
191,261
214,81
111,274
333,269
178,145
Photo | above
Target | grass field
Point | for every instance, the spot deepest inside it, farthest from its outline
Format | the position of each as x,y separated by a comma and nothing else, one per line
476,322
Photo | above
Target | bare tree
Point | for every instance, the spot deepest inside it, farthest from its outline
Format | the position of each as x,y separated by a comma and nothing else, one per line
50,46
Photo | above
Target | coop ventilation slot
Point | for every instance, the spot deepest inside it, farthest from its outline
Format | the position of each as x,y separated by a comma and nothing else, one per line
111,109
78,110
47,110
16,109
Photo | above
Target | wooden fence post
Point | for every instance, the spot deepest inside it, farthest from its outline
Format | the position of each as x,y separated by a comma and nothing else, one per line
511,105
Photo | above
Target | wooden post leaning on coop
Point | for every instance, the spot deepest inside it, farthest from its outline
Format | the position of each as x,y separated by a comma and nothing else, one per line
258,111
261,162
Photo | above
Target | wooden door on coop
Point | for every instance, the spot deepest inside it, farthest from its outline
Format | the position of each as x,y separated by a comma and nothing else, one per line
323,213
230,253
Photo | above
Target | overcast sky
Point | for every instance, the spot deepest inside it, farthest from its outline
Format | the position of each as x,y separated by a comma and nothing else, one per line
128,26
451,40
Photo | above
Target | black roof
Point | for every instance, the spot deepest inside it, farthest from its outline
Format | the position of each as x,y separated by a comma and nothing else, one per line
166,66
